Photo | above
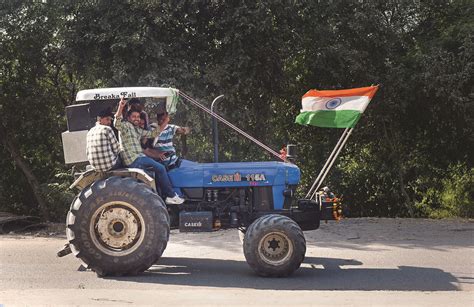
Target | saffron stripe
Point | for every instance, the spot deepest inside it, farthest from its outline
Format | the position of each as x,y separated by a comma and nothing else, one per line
361,91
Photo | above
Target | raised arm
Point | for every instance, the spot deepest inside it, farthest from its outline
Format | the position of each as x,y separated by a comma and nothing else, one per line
118,114
183,130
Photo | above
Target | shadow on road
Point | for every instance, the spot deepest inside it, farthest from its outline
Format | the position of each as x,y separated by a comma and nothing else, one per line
314,274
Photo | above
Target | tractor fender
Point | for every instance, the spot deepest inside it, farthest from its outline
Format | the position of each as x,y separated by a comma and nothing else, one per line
90,176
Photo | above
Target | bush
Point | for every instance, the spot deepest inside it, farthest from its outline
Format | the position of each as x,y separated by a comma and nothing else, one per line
457,195
58,196
449,196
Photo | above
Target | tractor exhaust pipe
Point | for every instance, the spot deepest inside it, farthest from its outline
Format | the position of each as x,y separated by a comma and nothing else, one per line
215,136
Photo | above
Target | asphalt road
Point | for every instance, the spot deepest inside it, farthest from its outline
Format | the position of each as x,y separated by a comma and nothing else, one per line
354,262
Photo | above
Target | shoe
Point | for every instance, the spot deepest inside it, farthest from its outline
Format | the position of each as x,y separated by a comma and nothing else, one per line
176,200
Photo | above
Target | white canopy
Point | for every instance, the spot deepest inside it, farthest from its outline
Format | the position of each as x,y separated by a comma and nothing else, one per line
128,92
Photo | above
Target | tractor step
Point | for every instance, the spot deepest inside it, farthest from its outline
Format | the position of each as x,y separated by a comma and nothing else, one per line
66,250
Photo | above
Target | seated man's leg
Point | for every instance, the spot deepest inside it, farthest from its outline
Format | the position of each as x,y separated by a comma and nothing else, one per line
161,177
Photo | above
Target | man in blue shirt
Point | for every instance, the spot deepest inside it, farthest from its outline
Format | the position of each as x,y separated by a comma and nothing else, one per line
163,148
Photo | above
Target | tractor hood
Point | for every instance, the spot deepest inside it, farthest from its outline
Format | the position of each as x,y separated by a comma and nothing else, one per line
234,174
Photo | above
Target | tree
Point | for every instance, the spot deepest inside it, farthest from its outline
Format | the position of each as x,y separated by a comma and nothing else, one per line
30,103
263,56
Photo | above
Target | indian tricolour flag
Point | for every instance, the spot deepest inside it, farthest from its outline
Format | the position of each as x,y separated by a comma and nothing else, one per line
335,108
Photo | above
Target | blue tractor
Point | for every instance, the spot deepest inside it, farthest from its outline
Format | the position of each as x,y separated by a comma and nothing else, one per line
119,225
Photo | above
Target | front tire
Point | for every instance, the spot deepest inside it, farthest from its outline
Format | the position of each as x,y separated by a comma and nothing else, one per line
118,226
274,246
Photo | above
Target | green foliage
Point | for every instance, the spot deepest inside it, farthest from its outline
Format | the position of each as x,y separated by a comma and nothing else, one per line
411,153
458,191
450,195
58,195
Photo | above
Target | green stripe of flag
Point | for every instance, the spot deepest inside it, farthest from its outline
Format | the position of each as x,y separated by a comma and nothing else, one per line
329,119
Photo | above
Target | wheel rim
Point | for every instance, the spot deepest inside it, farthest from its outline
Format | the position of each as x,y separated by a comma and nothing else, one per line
275,248
117,228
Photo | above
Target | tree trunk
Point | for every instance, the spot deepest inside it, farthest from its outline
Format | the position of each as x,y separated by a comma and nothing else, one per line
408,202
26,169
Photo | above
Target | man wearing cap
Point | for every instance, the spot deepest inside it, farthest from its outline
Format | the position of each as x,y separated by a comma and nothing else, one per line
103,149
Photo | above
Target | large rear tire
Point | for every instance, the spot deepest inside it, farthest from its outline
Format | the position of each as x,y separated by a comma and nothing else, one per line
274,246
118,226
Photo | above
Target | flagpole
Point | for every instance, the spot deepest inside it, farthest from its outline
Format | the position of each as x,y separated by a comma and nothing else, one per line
332,162
327,162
